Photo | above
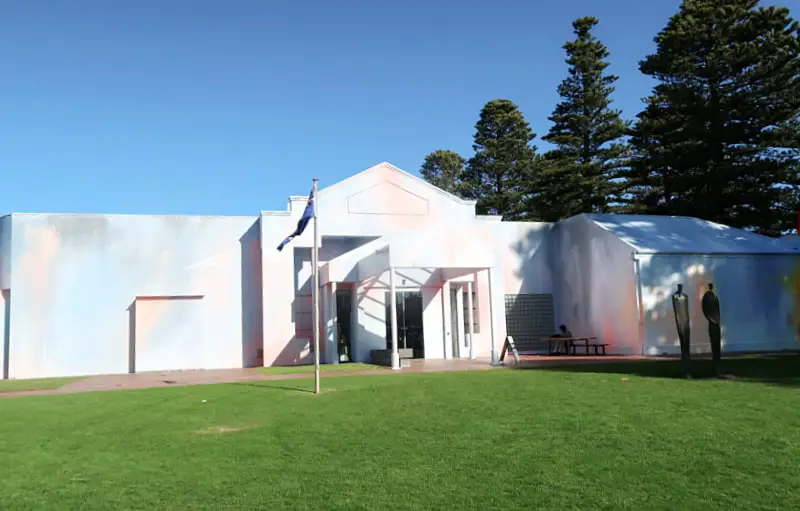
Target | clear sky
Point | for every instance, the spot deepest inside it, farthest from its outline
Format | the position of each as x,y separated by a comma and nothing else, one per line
227,107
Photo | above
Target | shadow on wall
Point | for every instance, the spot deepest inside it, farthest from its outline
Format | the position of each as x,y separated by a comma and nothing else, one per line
6,330
370,309
560,255
583,260
252,300
132,337
533,268
296,349
759,295
752,289
664,273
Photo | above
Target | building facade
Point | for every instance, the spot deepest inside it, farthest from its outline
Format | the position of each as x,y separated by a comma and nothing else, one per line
104,294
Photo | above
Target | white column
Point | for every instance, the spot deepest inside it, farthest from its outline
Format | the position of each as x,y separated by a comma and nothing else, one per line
447,321
495,356
333,338
315,288
471,320
393,319
325,322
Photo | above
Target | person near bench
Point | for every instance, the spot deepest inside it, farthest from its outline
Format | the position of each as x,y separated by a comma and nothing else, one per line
563,332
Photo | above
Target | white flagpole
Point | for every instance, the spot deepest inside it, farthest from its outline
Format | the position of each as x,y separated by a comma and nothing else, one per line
315,291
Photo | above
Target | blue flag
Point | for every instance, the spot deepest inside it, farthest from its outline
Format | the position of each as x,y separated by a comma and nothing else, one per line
302,223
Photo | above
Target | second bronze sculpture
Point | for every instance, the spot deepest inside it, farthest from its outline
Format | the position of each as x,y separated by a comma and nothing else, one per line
710,305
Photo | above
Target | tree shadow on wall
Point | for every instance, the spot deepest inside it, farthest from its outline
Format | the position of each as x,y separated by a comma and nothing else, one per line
537,275
559,257
781,369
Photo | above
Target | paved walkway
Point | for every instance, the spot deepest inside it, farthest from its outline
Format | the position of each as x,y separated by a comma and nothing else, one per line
209,377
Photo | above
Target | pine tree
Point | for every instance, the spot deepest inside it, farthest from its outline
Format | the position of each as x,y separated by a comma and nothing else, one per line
444,169
579,175
718,138
500,174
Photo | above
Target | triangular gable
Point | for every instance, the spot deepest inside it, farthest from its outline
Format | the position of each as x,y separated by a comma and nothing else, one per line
384,199
386,173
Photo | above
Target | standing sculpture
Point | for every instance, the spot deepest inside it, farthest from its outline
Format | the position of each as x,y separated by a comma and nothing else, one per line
680,305
710,305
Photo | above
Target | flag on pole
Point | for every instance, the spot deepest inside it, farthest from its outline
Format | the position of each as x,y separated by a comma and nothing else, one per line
308,213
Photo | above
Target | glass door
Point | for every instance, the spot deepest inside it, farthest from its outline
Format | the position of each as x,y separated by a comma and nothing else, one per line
344,302
409,322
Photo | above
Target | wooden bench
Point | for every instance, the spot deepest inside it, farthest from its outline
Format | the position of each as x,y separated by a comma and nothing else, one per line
570,345
587,344
599,347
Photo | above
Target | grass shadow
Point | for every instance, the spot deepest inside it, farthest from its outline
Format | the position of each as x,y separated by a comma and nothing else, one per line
267,385
776,369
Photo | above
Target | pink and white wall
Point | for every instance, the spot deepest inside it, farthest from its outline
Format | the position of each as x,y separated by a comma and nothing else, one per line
99,294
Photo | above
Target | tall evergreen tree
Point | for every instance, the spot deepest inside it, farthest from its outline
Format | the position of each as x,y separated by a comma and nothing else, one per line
501,172
719,137
579,175
444,169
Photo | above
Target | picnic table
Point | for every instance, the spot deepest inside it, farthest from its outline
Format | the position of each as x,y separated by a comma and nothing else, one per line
570,345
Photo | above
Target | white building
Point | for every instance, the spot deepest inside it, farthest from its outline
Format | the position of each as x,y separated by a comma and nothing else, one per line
99,294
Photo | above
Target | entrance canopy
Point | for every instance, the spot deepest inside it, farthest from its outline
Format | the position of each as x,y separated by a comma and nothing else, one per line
439,246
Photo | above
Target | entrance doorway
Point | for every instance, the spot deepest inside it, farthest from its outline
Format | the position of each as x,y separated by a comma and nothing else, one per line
344,309
409,322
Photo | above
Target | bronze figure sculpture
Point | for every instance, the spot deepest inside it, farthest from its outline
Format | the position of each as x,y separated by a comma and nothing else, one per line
680,306
710,305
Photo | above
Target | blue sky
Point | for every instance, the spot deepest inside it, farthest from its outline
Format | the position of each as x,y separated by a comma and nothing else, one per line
226,108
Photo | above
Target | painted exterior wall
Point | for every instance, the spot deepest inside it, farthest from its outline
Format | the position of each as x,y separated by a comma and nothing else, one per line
756,279
97,294
522,250
757,293
594,284
94,294
418,226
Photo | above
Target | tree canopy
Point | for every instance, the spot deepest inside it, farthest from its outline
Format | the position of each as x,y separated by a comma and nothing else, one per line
579,175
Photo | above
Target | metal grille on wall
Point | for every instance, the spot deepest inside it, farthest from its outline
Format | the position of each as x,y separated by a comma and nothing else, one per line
529,318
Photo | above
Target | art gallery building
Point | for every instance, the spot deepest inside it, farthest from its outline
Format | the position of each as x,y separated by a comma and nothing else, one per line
105,294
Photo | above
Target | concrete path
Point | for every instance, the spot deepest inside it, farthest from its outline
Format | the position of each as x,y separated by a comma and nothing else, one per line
209,377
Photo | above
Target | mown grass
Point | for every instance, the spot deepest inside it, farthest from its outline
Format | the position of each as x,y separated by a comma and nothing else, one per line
35,384
324,368
505,439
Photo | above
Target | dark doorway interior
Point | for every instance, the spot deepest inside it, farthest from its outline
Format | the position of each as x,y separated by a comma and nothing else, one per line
344,309
409,322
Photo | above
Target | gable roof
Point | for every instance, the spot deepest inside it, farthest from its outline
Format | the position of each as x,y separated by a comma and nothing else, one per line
392,168
652,234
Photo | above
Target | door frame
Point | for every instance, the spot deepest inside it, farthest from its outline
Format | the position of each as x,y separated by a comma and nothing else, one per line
401,311
460,337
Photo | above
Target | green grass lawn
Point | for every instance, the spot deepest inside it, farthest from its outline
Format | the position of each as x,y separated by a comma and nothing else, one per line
324,368
37,384
602,437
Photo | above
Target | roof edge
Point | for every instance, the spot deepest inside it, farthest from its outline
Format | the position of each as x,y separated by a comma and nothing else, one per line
718,253
395,168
